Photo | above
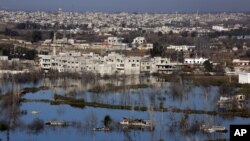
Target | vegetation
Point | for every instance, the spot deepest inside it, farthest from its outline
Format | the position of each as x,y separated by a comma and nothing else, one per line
10,32
107,121
36,125
212,80
208,66
112,87
59,99
158,50
36,36
18,52
33,89
3,126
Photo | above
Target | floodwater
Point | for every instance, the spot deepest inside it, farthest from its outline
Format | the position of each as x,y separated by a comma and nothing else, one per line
81,121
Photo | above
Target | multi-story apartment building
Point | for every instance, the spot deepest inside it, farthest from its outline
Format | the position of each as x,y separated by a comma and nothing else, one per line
113,63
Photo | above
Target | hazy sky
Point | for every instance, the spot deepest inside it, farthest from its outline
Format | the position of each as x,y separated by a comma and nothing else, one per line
129,5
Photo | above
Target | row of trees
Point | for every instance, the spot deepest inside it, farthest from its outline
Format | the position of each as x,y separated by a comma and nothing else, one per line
18,52
34,37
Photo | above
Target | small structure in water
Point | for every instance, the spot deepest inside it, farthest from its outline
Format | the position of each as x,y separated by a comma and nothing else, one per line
232,102
34,112
229,99
137,123
213,128
101,129
56,123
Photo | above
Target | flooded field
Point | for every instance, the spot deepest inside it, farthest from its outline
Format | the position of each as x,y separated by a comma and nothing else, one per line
36,108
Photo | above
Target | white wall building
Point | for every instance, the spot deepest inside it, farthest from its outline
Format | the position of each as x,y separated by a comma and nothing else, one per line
3,58
219,28
244,78
139,40
132,65
114,40
239,62
195,60
181,47
112,63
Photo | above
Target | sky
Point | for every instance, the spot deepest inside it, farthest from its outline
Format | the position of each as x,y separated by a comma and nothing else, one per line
128,5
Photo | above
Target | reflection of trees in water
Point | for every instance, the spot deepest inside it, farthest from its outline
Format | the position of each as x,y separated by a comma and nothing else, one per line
60,110
226,90
176,91
141,99
90,121
36,126
184,123
10,111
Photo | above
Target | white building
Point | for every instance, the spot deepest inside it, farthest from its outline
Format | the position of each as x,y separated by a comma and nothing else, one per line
146,65
139,40
219,28
113,63
197,61
239,62
244,78
3,58
132,65
146,46
114,40
163,65
181,47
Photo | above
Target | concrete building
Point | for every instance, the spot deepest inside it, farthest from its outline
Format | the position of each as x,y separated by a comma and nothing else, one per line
163,65
45,62
139,40
193,61
3,58
114,40
239,62
244,78
112,63
181,47
146,65
132,65
219,28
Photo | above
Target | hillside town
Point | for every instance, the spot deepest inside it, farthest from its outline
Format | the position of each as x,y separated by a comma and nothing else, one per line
105,43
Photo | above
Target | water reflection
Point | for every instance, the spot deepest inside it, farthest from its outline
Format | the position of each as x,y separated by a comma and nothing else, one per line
169,126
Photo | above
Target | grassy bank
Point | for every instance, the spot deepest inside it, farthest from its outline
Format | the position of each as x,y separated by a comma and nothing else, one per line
80,103
33,89
112,88
58,99
212,80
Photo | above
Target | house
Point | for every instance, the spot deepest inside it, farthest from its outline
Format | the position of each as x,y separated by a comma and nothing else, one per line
132,65
181,47
145,46
3,58
114,40
139,40
219,28
163,65
146,65
193,61
239,62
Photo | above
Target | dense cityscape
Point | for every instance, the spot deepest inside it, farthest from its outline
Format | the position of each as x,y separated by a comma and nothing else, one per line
123,76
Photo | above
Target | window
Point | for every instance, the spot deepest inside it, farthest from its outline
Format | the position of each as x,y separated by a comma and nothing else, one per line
133,65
